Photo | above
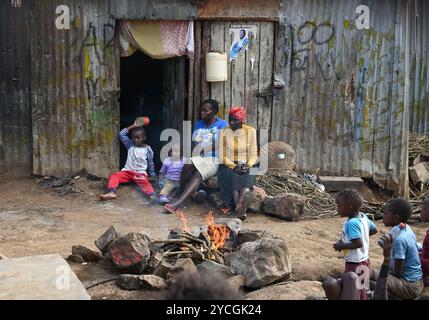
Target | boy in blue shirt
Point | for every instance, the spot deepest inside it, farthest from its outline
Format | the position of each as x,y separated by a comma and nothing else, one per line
354,244
405,274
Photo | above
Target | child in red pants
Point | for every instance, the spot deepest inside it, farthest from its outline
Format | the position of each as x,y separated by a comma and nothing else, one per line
139,160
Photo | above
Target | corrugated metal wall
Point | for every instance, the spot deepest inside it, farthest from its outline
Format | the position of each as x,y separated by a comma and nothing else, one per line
343,107
74,90
15,112
419,75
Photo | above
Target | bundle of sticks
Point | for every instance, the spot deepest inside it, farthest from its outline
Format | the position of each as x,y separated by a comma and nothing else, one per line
185,245
279,181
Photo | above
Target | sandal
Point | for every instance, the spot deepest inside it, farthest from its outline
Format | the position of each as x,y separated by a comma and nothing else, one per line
225,210
169,208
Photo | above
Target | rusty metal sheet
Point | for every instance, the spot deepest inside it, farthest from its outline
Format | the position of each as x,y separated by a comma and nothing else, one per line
15,112
239,9
344,104
75,109
419,73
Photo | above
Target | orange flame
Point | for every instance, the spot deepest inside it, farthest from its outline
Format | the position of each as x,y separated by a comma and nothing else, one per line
218,233
184,220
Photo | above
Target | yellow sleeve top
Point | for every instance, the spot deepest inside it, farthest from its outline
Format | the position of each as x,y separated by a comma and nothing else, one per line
238,146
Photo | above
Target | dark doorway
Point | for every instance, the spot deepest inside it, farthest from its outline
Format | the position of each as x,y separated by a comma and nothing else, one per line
141,95
156,89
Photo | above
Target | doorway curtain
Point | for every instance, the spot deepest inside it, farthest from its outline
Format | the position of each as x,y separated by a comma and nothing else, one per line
158,39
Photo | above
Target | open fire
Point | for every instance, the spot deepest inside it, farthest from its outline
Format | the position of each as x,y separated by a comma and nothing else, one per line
218,234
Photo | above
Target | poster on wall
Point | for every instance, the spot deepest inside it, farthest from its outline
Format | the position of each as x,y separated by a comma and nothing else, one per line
241,33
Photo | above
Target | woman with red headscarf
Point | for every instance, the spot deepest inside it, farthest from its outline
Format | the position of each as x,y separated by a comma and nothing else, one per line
238,152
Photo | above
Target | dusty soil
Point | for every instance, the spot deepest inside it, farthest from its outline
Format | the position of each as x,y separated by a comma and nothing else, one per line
38,220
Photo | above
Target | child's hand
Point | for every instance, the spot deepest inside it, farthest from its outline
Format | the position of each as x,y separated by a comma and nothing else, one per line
386,242
339,245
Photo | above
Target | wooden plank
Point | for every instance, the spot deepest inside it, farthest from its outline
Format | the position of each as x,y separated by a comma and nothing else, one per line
217,43
252,76
190,97
238,77
266,69
282,56
205,47
197,70
228,83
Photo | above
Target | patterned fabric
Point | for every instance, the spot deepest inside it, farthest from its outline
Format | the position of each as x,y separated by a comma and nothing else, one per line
157,39
239,113
230,181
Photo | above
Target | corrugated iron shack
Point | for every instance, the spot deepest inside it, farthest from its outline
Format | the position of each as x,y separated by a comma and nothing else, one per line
343,97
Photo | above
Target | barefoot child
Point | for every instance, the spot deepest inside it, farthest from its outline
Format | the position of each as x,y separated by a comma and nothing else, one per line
139,159
169,175
425,251
404,280
354,244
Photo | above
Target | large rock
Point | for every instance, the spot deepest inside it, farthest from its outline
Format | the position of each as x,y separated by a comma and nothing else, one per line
280,155
254,200
302,290
237,281
154,261
130,253
253,235
182,265
104,241
162,269
128,282
86,253
150,281
288,206
215,268
261,262
76,258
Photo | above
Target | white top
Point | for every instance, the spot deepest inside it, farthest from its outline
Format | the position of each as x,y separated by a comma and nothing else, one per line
362,253
136,160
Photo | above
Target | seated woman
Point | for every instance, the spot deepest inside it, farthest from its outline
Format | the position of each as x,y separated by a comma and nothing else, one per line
238,153
205,164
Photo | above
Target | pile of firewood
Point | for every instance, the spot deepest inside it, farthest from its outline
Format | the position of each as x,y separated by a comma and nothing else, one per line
182,244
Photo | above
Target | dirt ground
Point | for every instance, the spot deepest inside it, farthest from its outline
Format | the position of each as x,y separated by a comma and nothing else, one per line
37,220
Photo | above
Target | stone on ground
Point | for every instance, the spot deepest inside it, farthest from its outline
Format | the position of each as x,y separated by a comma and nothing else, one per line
182,265
288,206
237,281
86,253
76,258
261,262
154,261
106,239
128,282
130,253
214,268
150,281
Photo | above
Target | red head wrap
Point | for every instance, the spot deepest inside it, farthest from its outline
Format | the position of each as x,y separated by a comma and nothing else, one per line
238,113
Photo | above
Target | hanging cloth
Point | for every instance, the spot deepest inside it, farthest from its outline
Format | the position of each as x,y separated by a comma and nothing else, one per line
157,39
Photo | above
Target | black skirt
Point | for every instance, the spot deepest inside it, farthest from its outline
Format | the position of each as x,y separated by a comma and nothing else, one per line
230,181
